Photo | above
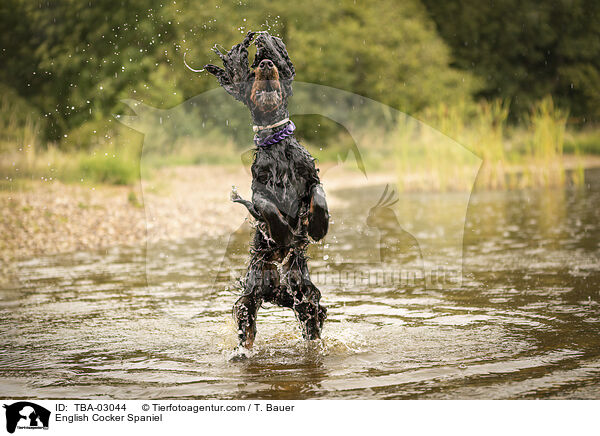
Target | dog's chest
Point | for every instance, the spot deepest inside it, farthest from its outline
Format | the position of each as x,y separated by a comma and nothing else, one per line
282,170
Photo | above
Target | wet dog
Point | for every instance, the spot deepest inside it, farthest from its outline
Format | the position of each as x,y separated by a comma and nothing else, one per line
288,201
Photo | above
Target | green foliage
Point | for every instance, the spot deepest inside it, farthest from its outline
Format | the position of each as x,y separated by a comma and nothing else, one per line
528,156
19,123
375,49
133,200
546,142
583,142
109,166
102,165
527,49
77,60
548,124
74,59
68,64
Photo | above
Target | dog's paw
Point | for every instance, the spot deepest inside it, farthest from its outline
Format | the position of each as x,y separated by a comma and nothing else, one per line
234,196
239,354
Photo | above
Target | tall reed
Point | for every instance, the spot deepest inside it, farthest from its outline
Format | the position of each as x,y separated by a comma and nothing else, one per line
19,137
547,125
530,155
489,125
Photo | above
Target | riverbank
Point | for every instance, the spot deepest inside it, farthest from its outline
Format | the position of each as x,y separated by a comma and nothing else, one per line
48,217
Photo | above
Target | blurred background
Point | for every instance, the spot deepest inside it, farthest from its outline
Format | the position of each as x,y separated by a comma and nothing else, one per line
511,80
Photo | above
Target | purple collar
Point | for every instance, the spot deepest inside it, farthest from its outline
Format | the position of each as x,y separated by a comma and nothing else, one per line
288,130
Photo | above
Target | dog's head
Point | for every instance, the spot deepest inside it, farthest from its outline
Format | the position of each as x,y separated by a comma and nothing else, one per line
263,86
266,94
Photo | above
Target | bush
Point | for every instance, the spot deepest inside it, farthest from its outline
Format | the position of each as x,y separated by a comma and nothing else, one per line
109,166
584,142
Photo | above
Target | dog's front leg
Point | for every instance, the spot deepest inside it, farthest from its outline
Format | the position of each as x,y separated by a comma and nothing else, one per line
278,228
263,209
235,197
318,215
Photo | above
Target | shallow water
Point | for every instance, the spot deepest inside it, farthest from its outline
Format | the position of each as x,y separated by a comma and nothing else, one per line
524,323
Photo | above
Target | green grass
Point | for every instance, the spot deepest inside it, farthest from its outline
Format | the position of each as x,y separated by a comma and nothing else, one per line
25,157
582,142
107,166
102,165
545,147
514,156
219,151
133,200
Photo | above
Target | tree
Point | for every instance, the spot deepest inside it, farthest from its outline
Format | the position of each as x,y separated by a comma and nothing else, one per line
525,49
75,60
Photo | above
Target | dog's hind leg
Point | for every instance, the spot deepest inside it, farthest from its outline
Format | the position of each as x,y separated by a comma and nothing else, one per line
245,311
305,298
262,277
309,312
306,307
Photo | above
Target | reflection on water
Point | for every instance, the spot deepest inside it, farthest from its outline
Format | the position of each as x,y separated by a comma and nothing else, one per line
525,322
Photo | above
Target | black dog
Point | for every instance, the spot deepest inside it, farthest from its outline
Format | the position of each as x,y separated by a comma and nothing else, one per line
288,200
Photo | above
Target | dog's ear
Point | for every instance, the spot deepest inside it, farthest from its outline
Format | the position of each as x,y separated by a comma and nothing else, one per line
235,77
273,48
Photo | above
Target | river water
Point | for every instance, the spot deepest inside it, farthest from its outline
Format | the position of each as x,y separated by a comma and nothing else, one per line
524,322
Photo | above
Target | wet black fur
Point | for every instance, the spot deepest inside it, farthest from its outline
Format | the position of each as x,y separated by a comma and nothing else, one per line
288,201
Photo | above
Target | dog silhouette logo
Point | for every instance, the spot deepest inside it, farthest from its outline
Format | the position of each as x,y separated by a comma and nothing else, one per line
26,415
406,236
393,240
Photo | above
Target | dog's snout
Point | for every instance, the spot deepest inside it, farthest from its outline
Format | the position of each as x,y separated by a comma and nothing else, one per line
266,64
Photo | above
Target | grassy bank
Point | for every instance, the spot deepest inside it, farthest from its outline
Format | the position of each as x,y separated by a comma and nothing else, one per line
110,164
103,165
529,154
